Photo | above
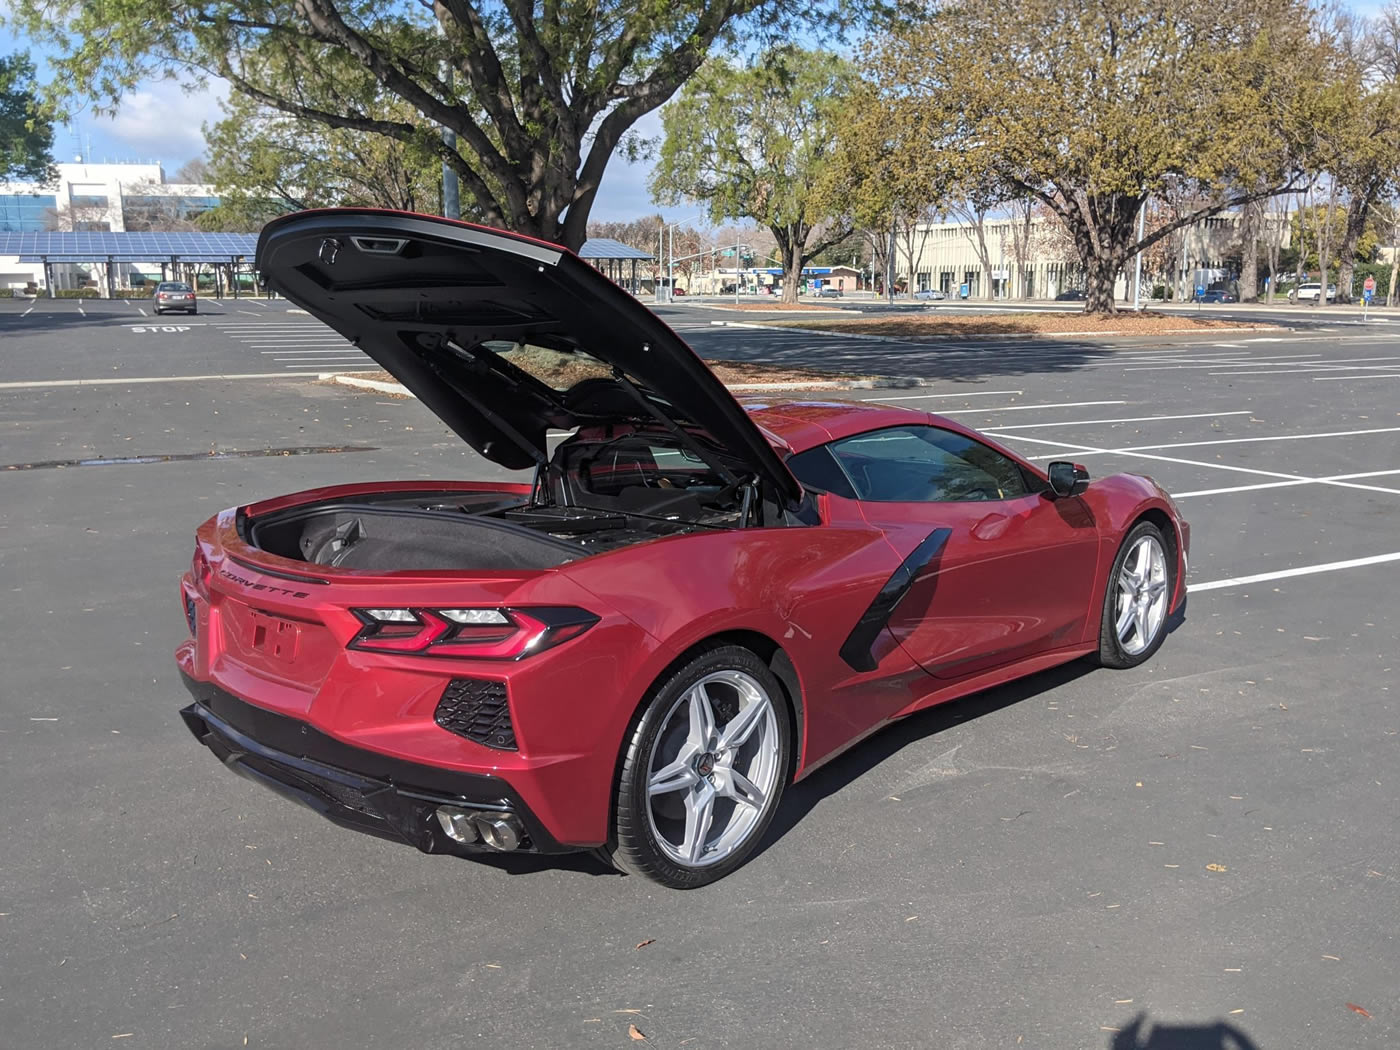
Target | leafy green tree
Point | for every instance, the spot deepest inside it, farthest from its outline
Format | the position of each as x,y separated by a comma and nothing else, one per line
26,133
1093,106
263,163
753,142
539,93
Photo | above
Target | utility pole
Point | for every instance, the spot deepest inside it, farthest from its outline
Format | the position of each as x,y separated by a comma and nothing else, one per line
451,196
1137,259
889,265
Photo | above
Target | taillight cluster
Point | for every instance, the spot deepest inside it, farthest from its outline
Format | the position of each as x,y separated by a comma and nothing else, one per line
483,634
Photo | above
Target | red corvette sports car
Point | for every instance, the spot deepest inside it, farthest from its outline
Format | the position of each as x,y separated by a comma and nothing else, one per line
692,603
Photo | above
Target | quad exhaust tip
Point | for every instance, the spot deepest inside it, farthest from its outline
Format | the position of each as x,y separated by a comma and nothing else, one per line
499,831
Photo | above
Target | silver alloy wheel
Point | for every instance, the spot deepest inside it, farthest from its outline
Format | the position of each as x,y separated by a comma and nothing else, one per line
1141,604
708,783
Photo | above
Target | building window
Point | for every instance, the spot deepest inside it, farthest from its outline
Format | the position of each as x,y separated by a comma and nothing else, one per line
25,212
89,200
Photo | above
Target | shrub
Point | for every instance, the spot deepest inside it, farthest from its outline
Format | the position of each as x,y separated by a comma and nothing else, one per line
7,293
78,293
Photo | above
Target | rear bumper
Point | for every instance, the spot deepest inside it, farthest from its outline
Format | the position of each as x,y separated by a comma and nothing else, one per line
356,788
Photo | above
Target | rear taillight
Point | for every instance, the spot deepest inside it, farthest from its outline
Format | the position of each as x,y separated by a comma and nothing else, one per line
483,634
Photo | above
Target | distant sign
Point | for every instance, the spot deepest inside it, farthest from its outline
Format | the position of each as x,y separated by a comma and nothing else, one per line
1369,286
962,291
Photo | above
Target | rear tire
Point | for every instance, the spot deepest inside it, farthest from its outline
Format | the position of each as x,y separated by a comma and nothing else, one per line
1133,624
703,771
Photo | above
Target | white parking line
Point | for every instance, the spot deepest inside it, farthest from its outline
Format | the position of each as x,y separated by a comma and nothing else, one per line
26,312
1077,451
1326,379
1283,574
1242,360
925,397
143,311
1243,441
42,384
306,350
1130,419
1284,484
1027,408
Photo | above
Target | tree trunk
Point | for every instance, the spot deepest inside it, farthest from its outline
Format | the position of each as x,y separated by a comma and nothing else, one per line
1351,237
1100,275
1391,298
1302,247
1324,243
1249,264
790,244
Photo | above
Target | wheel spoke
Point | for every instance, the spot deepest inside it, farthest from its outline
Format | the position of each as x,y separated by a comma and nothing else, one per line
1125,621
741,726
1140,618
702,719
699,808
676,776
741,789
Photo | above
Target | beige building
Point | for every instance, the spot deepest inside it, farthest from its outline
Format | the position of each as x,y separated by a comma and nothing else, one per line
1010,258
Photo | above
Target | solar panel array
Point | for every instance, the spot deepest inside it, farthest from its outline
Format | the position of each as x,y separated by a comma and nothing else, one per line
193,247
128,247
607,248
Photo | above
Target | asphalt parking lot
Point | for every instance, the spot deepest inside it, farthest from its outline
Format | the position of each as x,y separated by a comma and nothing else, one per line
1201,853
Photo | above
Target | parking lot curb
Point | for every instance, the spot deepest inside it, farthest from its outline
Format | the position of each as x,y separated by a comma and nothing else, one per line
878,383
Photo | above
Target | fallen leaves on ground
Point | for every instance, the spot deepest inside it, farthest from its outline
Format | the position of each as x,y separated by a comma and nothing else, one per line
923,325
636,1033
730,373
1359,1010
1216,867
649,940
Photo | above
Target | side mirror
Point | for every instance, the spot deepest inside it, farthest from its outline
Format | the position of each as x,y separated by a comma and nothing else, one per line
1066,479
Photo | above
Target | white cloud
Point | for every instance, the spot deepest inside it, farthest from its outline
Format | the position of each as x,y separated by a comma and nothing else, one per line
158,121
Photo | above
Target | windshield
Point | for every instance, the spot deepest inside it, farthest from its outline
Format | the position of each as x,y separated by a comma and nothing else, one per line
172,286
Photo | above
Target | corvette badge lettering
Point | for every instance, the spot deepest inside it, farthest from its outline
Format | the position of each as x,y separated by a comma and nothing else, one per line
245,582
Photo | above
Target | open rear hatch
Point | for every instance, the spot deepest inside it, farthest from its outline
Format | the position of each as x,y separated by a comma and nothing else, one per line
451,309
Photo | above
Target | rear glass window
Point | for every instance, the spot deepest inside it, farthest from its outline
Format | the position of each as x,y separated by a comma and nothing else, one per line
556,369
173,286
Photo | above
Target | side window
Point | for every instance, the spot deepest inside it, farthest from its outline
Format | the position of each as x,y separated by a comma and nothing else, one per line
817,470
926,465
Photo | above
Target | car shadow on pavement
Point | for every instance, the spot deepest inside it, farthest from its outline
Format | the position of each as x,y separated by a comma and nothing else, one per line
801,798
1144,1034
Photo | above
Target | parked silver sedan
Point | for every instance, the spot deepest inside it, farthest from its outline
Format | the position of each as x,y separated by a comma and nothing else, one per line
174,295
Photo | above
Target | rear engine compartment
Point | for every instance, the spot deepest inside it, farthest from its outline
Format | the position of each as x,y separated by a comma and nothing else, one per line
600,492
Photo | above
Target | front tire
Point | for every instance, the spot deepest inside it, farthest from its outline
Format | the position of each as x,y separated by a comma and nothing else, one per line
1135,607
704,770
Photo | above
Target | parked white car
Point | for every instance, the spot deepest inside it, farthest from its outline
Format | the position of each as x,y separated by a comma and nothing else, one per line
1309,293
